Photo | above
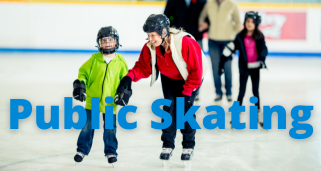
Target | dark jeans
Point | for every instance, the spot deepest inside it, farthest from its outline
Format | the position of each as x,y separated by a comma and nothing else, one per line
216,50
255,77
171,90
86,136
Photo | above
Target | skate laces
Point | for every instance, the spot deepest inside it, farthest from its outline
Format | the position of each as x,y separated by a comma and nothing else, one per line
187,150
111,155
167,150
80,154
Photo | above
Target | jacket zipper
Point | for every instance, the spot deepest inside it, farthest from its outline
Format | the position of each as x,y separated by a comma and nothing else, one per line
102,87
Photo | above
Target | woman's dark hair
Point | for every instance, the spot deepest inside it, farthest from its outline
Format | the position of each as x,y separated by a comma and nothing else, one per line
256,35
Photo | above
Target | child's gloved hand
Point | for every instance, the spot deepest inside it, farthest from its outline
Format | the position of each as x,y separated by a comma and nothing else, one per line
79,92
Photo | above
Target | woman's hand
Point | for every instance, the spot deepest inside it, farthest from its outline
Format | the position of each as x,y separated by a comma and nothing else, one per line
188,103
124,91
203,26
126,82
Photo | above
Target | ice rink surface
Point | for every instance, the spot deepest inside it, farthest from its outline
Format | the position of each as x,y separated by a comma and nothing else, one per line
46,78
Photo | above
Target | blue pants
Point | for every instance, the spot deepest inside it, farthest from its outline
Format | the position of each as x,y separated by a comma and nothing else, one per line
216,50
86,136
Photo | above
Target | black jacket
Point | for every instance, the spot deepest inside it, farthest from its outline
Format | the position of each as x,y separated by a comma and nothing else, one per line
181,16
261,49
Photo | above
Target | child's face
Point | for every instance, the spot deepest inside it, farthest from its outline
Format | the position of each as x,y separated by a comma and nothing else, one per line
154,38
108,42
250,24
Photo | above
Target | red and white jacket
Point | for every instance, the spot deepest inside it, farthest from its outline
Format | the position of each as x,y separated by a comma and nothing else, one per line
184,61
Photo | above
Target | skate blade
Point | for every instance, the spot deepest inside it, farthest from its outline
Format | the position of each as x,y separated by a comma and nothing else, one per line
230,103
113,164
219,103
165,163
187,164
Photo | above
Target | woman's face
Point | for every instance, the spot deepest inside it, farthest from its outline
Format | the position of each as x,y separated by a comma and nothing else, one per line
108,42
250,24
154,38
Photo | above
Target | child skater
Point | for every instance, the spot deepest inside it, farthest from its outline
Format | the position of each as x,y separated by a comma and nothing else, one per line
252,49
99,77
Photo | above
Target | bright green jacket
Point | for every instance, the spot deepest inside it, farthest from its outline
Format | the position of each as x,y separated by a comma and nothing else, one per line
101,79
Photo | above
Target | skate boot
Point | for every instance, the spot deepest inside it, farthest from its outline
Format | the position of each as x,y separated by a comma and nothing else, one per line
260,118
218,99
187,156
79,157
166,155
229,98
112,159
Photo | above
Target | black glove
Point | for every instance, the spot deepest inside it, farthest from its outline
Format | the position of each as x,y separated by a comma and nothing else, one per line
79,92
125,82
188,102
226,55
222,63
124,91
122,97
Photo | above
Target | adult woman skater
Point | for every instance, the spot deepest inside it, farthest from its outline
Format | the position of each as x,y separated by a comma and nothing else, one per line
181,64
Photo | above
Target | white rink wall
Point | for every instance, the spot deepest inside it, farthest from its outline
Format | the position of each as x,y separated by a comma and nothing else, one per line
74,26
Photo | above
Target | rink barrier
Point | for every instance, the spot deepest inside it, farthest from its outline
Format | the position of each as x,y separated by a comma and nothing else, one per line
288,27
27,50
163,3
299,114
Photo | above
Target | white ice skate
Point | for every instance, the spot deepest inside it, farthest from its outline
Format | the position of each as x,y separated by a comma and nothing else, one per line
187,155
166,155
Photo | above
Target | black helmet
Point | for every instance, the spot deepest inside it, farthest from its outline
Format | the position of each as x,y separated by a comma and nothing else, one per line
255,16
108,32
156,23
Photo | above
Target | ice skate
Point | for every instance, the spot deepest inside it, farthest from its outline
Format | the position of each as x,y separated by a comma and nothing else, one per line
260,118
79,157
187,156
166,155
112,159
218,99
229,98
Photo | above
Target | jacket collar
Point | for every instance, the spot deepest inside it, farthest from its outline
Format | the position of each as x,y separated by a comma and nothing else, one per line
99,56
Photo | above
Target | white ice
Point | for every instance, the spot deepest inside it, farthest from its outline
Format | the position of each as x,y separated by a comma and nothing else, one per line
46,78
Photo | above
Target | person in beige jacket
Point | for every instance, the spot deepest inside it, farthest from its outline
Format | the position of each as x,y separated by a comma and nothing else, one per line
225,23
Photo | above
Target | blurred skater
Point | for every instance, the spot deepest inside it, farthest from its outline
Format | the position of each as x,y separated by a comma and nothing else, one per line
252,49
